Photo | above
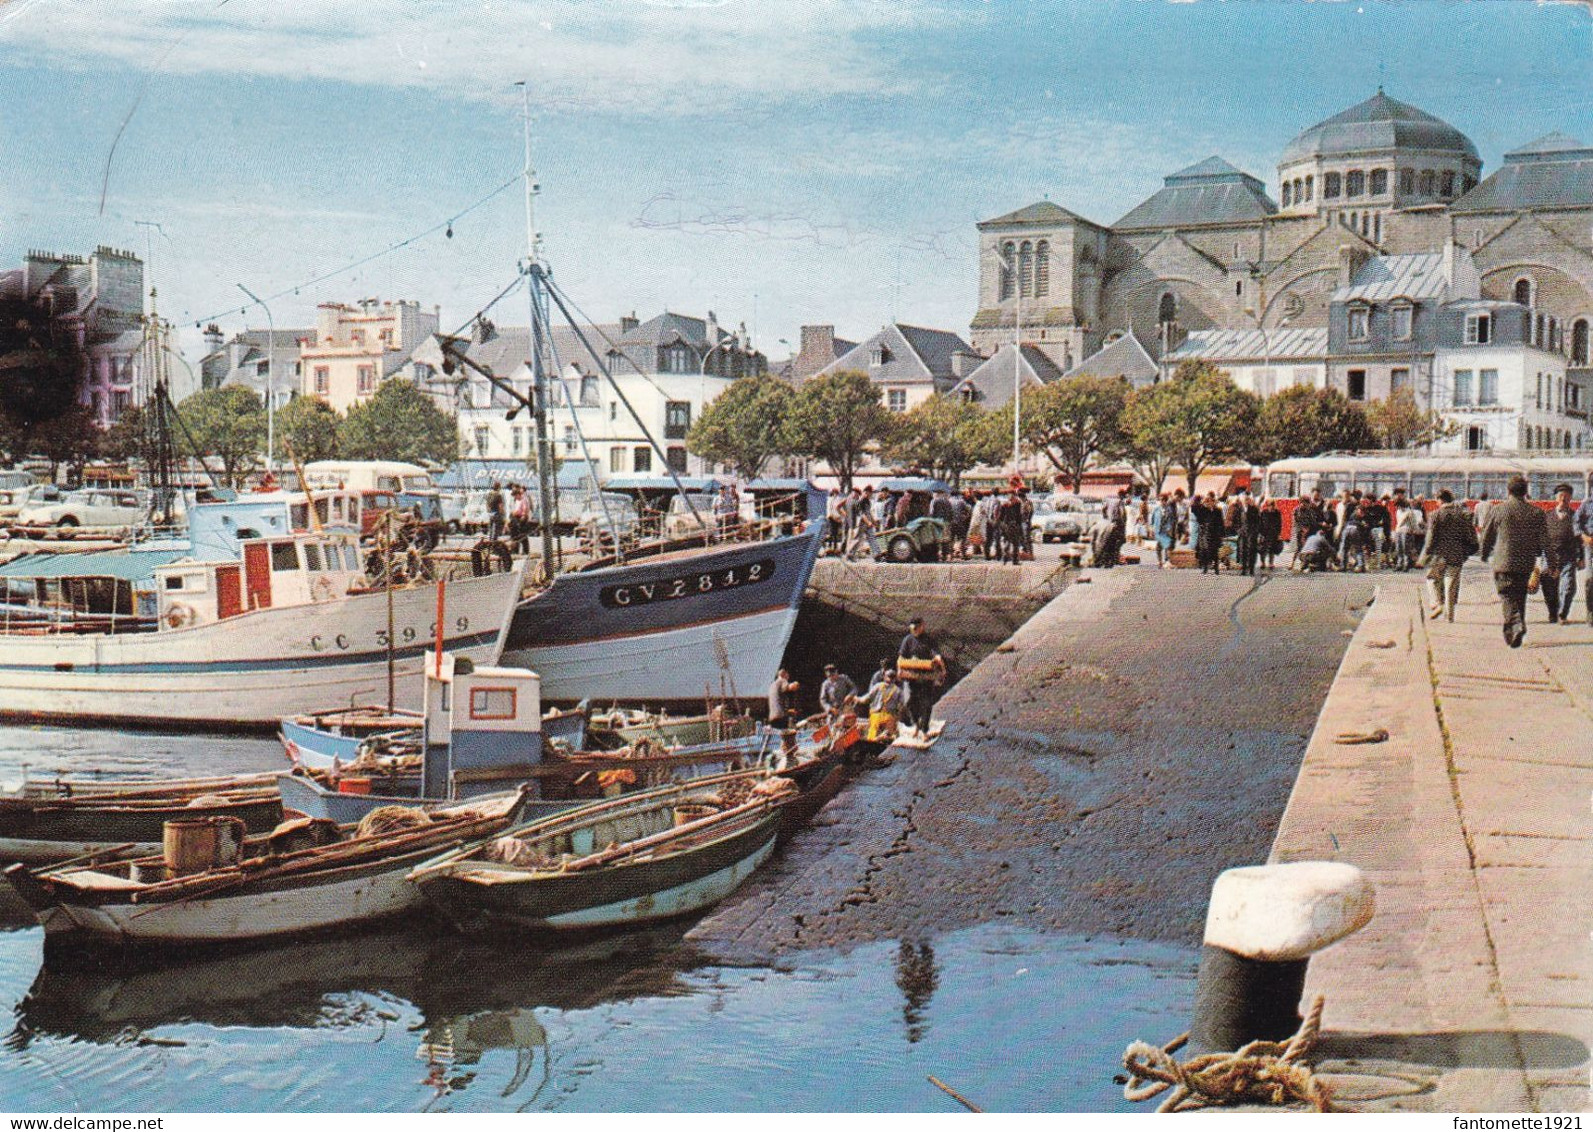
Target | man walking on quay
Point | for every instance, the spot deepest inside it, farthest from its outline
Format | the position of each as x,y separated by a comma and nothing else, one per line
922,669
1451,539
1584,529
1562,554
1513,537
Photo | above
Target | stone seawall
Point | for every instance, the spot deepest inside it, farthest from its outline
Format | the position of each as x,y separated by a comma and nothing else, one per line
1131,740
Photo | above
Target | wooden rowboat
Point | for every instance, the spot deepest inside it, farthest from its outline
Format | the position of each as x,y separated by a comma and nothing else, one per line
628,861
59,819
274,889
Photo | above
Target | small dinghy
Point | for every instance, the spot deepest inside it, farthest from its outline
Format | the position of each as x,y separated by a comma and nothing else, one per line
214,885
626,861
60,819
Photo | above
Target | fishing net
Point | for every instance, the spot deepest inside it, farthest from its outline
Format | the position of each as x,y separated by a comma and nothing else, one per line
388,819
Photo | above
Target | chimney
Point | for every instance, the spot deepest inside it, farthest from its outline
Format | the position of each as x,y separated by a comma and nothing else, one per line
628,322
818,342
214,340
712,331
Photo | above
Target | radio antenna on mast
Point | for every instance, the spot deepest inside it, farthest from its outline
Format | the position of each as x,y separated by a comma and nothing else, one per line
537,299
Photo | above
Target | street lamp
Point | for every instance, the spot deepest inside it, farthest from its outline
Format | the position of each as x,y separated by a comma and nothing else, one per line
271,391
1017,357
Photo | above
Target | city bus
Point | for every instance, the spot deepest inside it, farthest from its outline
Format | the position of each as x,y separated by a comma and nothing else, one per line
1471,476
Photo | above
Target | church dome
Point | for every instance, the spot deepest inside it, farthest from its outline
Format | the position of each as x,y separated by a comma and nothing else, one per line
1377,125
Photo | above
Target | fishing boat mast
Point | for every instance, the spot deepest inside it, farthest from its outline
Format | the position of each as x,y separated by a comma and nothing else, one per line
537,299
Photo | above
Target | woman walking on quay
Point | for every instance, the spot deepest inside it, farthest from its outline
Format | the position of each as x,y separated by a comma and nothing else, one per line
1164,521
1205,515
1271,533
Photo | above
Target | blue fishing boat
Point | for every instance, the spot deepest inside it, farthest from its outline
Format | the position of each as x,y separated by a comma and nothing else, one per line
675,621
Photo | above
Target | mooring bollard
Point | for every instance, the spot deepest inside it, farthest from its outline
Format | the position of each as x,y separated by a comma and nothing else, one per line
1262,927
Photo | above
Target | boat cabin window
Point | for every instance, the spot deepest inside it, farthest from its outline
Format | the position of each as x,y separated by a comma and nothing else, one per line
284,556
351,557
247,533
417,483
189,583
492,703
312,556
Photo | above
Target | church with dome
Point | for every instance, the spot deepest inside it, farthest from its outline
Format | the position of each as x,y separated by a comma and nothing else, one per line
1364,265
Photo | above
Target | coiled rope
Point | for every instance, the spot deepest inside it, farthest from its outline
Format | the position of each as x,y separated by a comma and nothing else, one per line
1261,1072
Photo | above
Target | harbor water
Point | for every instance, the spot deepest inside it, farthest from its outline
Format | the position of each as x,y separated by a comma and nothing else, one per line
419,1018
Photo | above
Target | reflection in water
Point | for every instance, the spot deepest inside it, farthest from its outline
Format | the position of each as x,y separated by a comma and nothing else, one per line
917,975
329,983
461,1042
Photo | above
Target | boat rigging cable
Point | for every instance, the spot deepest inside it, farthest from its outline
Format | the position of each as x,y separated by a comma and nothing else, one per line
561,297
363,260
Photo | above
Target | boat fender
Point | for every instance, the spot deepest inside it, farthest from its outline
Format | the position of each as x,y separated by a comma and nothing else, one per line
179,616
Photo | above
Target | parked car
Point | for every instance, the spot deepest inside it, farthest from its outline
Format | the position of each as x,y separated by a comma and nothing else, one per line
1051,524
679,521
90,508
13,500
17,477
600,521
921,540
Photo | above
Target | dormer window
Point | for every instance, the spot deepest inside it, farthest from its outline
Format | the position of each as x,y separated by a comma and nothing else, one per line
1360,323
1479,329
881,355
1402,321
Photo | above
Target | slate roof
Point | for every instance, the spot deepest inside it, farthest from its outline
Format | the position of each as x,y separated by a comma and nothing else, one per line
1384,277
1380,123
1306,343
991,381
918,354
1123,357
1209,192
1555,171
1040,212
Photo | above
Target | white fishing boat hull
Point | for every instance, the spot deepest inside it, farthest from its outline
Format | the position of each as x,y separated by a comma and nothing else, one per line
374,895
737,656
252,669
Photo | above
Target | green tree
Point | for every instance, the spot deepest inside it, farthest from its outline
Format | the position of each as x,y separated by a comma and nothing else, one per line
398,423
1305,421
1195,418
1074,423
945,436
743,426
230,424
1401,422
72,437
127,439
307,429
835,418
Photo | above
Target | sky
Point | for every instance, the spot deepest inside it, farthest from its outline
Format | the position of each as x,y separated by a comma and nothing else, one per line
778,162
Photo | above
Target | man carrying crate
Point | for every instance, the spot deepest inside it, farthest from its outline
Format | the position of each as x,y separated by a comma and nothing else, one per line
923,671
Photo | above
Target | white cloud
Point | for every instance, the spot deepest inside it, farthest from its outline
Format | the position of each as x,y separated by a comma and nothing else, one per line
655,56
